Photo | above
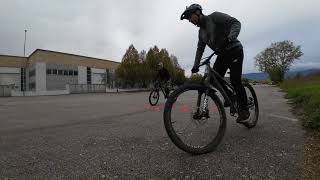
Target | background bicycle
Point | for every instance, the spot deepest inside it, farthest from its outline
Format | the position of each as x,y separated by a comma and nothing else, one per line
154,95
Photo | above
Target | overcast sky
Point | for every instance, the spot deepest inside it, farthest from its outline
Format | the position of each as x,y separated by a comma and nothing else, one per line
105,29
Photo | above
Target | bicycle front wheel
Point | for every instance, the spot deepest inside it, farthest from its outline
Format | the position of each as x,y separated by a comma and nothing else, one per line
154,97
188,132
252,105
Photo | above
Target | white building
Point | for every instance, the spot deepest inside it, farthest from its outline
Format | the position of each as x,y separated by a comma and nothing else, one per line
50,72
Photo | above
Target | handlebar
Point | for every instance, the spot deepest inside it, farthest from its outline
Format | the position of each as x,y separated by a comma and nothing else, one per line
207,59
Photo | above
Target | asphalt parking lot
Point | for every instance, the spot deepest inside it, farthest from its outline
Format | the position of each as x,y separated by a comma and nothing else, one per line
119,136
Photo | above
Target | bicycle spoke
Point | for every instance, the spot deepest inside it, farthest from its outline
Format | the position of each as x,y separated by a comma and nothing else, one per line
203,131
203,134
184,129
195,133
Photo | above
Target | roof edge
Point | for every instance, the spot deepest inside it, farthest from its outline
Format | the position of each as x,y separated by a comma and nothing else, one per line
13,56
43,50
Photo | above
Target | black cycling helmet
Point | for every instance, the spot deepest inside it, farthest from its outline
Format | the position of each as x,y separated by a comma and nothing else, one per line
189,10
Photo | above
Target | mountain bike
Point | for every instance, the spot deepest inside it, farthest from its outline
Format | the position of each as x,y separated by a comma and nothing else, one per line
154,95
194,116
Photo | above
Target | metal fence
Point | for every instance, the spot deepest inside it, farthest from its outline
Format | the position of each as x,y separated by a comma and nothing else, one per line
5,90
87,88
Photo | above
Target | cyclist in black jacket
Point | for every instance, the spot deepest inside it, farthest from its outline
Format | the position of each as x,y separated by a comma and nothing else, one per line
220,31
163,77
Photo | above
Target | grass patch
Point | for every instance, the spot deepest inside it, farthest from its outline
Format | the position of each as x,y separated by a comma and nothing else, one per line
305,94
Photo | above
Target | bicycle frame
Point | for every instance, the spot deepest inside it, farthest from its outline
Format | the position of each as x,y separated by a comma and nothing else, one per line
212,74
159,86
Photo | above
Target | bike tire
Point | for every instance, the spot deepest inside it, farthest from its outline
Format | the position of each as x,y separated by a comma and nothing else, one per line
254,122
169,124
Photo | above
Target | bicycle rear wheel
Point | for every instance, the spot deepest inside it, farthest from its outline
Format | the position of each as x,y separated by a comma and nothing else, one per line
194,135
154,97
252,105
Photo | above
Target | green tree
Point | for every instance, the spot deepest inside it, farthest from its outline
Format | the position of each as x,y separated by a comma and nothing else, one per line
179,73
142,56
151,62
141,68
195,78
180,77
277,59
245,80
129,67
174,61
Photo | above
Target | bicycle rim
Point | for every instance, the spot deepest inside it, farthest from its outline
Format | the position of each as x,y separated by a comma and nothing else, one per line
253,107
154,97
196,136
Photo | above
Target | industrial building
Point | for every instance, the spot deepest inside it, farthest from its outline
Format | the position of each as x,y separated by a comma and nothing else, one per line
47,72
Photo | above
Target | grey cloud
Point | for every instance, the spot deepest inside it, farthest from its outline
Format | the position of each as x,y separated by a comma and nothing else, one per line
105,29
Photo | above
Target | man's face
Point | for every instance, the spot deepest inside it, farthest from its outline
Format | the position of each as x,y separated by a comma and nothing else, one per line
194,19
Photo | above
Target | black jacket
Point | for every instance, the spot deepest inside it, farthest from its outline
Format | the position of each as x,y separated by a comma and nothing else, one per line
215,30
163,75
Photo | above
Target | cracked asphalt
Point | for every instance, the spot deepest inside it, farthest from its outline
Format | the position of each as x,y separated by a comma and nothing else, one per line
118,136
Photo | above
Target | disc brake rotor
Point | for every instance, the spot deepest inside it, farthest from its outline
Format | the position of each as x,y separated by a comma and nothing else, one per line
199,122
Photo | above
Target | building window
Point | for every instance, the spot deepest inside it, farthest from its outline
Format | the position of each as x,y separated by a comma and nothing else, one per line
54,71
70,72
75,73
107,76
88,75
60,72
65,72
32,73
49,71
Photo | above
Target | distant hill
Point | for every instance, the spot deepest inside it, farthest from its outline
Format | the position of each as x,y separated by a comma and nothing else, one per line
256,76
265,76
302,72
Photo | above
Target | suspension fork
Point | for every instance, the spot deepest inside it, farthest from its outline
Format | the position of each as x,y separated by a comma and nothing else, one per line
206,93
199,101
204,108
205,101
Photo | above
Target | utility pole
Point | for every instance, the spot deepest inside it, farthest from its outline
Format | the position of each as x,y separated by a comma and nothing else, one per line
25,38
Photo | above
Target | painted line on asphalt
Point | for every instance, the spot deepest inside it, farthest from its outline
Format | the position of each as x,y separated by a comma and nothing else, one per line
281,117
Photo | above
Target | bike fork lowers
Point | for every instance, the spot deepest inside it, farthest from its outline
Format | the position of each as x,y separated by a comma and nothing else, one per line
204,110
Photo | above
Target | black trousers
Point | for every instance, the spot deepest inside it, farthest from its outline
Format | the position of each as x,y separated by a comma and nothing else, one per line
233,60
